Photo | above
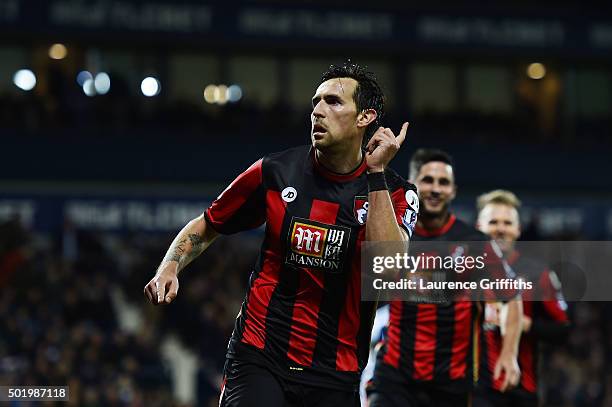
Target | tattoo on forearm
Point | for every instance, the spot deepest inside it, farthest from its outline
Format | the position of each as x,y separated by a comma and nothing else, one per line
176,251
180,253
195,239
197,247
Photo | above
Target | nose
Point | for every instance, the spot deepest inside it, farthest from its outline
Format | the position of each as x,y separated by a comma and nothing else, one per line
499,230
317,110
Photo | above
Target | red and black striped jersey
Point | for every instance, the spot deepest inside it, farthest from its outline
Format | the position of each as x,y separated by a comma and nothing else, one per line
302,315
433,344
548,313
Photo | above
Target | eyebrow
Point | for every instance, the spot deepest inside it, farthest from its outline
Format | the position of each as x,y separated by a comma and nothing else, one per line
326,96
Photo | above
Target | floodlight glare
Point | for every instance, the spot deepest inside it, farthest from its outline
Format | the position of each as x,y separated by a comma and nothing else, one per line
24,79
102,83
150,86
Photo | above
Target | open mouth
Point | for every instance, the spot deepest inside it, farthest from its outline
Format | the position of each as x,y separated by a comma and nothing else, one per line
317,128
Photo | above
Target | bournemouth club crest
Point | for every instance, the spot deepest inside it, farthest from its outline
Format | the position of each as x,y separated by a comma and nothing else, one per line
360,209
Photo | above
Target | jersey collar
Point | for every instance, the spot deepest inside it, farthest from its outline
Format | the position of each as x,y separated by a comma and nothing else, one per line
334,176
436,232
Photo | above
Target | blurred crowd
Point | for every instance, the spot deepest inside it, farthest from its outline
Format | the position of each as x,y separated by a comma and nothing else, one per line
578,372
61,323
62,108
60,326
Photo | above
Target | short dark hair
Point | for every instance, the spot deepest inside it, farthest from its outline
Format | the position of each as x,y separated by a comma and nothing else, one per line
426,155
368,93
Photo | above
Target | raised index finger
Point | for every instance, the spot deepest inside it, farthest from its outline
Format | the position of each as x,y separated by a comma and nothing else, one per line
402,134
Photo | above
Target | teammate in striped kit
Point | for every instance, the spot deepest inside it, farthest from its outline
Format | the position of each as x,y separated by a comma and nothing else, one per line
428,354
545,319
302,335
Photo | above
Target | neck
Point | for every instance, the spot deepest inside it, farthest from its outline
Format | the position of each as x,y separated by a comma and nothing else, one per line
340,161
508,252
432,222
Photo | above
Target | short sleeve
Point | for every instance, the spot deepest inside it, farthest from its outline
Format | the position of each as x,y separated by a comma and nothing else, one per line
241,206
553,302
406,206
498,269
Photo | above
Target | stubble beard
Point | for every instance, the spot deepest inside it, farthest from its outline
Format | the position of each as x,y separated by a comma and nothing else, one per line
429,215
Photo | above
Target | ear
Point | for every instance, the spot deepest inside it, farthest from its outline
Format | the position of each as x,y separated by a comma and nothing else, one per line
366,117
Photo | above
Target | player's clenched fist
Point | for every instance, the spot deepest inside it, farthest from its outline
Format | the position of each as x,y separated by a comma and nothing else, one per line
163,288
383,146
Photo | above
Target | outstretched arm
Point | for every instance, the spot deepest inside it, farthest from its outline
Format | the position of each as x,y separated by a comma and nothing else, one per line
241,206
191,241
